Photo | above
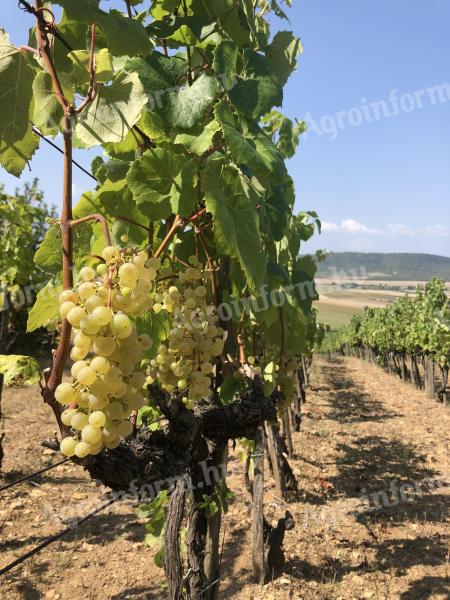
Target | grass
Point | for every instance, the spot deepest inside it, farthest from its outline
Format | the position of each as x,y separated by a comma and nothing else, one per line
336,315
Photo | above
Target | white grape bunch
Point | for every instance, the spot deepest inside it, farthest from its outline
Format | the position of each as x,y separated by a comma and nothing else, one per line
186,362
107,351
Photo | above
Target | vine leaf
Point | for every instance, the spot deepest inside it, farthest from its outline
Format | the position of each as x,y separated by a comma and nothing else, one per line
236,227
45,310
124,36
103,65
199,144
15,156
19,370
181,107
17,142
49,254
251,147
225,61
47,113
162,182
115,109
283,52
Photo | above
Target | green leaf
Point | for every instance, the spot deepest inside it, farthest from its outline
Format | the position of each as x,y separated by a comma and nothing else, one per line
230,16
225,62
252,147
199,144
15,156
183,195
45,309
159,74
17,143
162,182
123,35
157,326
186,108
19,370
47,112
283,52
115,109
49,254
103,65
236,227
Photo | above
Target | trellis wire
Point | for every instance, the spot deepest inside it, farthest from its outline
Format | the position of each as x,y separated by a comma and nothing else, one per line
26,477
54,538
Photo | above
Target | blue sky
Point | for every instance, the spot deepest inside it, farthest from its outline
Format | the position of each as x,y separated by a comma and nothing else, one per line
379,175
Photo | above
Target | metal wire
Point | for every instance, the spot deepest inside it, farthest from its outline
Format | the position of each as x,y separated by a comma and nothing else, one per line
22,479
54,538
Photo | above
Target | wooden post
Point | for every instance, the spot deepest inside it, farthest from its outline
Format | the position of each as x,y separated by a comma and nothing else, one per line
274,453
305,372
287,433
258,554
429,378
212,552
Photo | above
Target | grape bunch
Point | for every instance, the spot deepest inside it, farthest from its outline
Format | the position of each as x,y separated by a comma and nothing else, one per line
186,362
107,351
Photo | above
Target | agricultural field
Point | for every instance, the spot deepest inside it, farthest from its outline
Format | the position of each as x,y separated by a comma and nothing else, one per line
338,303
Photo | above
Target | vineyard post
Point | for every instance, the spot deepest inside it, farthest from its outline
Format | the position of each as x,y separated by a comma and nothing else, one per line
430,387
258,555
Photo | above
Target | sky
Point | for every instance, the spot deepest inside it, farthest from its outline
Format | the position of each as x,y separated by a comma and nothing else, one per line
373,84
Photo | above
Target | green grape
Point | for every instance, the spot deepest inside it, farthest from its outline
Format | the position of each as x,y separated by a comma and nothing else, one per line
90,434
125,428
104,346
77,366
86,376
65,394
68,446
102,269
112,444
66,416
97,402
97,419
111,253
86,290
82,449
94,302
77,354
79,420
75,315
82,341
69,296
87,274
121,326
100,365
65,308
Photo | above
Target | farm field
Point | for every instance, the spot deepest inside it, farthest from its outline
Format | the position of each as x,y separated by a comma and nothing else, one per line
338,304
364,434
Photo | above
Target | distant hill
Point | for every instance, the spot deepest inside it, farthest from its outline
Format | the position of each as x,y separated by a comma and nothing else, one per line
405,267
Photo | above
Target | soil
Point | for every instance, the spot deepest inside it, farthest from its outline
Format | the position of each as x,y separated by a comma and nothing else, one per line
365,436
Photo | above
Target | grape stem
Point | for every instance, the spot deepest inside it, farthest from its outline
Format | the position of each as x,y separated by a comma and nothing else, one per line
92,90
201,239
61,353
97,217
178,221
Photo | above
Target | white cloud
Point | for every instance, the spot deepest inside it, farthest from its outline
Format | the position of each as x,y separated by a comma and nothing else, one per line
392,230
329,226
437,230
399,229
350,226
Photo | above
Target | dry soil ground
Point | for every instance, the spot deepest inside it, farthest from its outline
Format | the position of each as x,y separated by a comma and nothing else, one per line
372,517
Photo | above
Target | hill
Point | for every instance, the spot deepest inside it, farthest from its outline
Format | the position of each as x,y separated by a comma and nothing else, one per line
401,266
